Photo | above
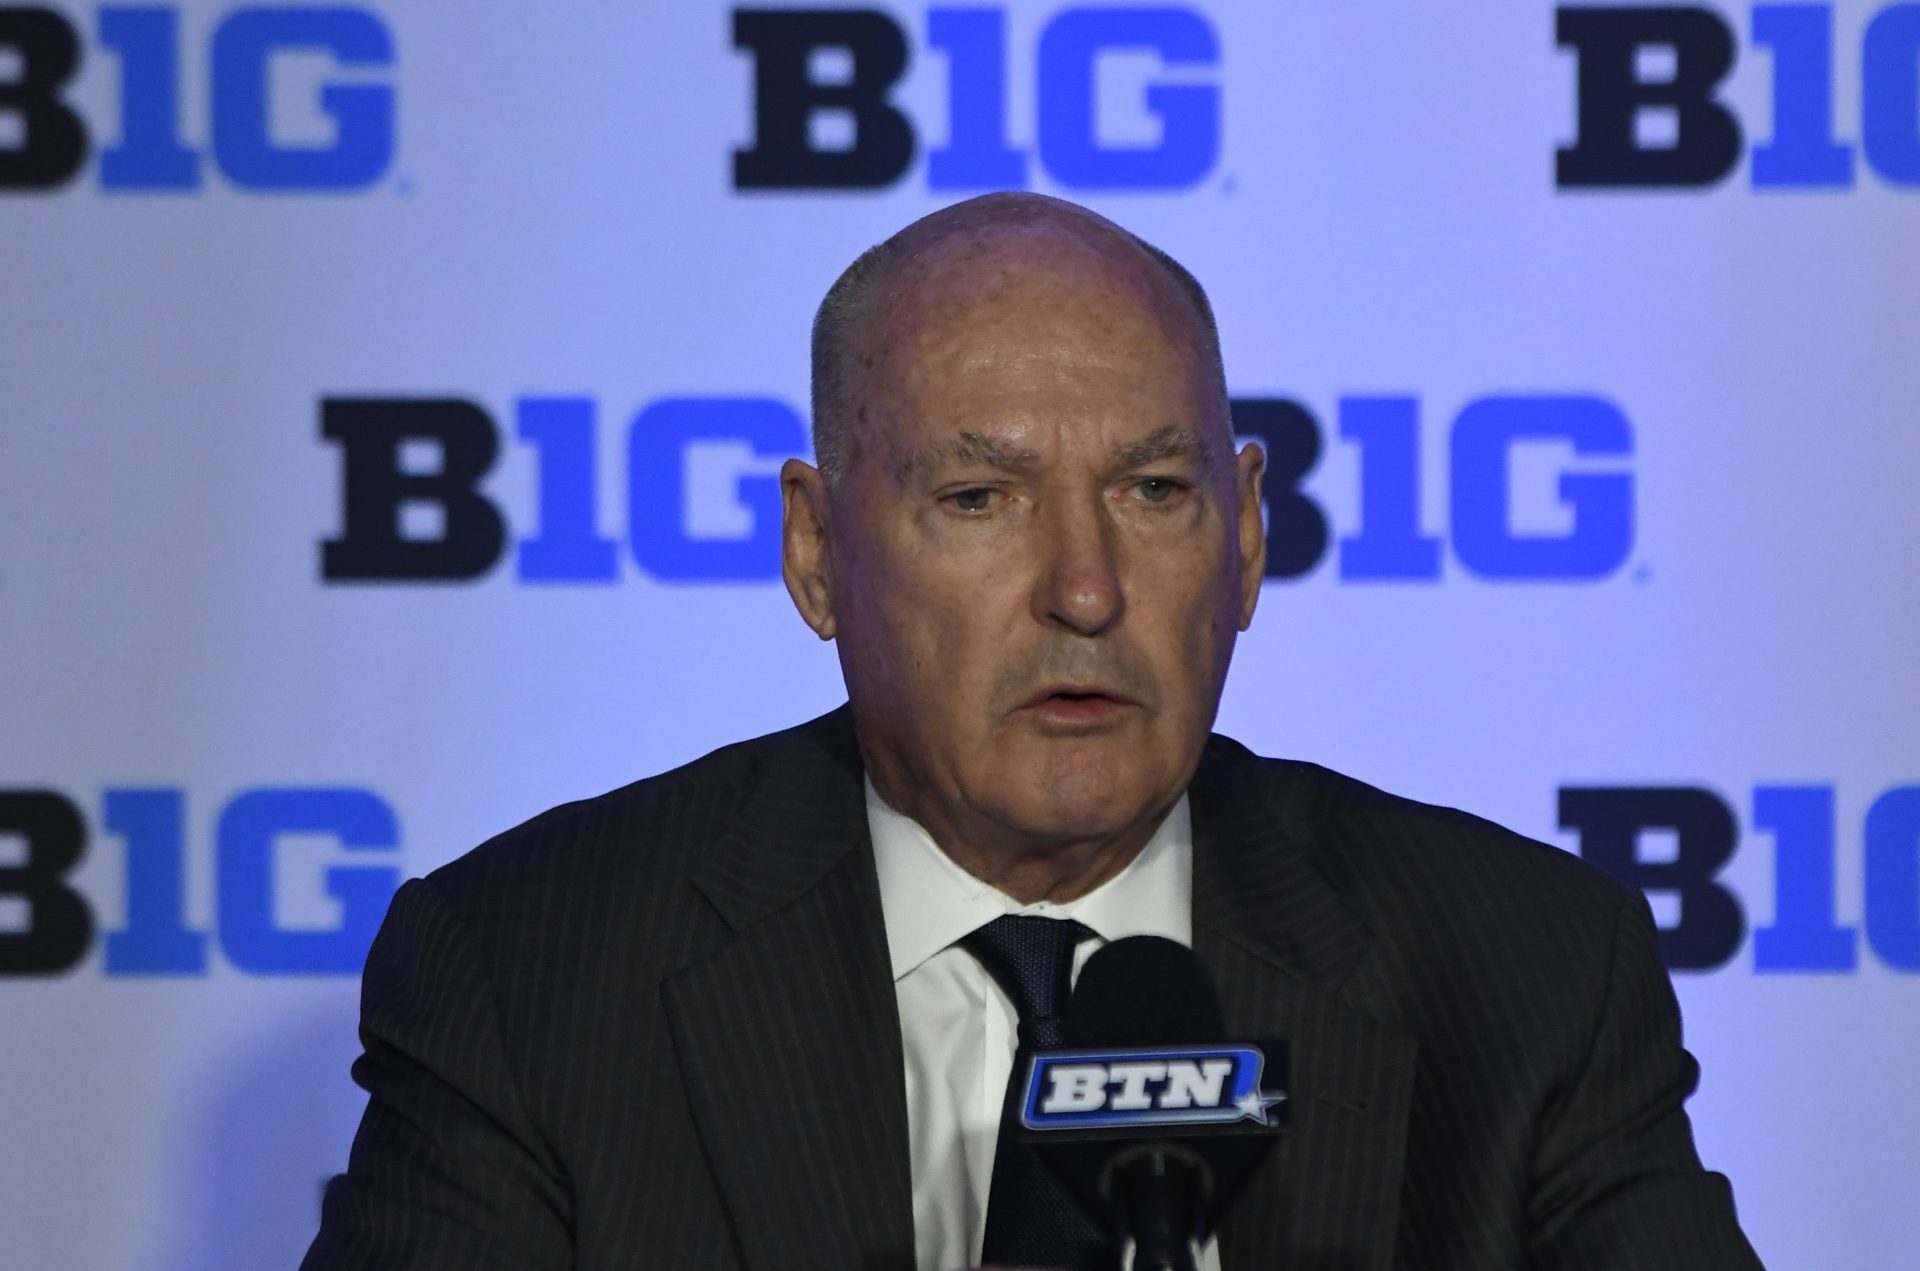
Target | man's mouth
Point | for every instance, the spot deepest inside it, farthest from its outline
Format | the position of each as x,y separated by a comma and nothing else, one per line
1074,708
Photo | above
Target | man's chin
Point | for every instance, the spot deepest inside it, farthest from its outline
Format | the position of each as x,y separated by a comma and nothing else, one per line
1081,796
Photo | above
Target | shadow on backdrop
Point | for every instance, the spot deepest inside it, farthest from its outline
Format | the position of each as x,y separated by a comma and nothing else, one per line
268,1130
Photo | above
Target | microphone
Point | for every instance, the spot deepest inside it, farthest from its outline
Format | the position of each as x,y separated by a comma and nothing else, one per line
1148,1117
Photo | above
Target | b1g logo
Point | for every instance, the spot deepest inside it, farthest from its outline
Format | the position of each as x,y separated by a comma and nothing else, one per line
1649,115
824,118
1696,832
412,509
48,141
703,492
1390,542
47,925
1185,1085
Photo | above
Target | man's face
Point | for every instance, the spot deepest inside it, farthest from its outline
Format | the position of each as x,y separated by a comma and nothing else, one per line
1038,557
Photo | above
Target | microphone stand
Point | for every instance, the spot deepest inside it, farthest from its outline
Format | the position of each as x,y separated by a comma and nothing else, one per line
1159,1195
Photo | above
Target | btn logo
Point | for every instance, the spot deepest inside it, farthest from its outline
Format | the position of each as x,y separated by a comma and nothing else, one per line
1649,113
49,140
1105,1089
824,116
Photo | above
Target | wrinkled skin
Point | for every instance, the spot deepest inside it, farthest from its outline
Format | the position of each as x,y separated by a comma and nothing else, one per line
1037,563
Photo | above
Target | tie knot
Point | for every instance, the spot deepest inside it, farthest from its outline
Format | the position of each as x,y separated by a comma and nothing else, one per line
1032,959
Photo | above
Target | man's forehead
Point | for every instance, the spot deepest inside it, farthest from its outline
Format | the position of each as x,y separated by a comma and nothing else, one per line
1024,452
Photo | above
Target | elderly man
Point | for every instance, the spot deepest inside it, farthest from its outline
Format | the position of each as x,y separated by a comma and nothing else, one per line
761,1011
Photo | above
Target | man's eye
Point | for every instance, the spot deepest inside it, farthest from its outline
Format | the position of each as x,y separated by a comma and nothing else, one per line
1157,489
977,499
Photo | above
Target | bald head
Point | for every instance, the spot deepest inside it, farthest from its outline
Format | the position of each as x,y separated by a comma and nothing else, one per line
985,261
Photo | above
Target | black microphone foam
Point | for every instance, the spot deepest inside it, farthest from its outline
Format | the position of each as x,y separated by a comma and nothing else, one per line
1156,1195
1144,991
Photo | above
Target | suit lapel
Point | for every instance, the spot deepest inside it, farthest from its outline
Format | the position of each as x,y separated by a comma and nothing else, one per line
1292,961
788,1036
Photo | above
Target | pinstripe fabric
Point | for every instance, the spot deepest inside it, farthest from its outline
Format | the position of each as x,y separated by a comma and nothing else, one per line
657,1029
1487,1060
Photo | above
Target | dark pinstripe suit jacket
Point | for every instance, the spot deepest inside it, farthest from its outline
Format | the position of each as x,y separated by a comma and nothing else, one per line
657,1029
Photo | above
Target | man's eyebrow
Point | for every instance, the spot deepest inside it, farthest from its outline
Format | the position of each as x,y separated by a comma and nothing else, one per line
967,447
1171,442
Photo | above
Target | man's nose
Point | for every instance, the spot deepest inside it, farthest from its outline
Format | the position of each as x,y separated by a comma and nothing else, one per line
1079,584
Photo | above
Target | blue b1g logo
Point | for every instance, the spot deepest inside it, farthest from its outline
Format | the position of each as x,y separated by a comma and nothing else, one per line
1389,541
47,924
825,119
412,509
1134,1088
1699,832
1649,111
50,140
703,492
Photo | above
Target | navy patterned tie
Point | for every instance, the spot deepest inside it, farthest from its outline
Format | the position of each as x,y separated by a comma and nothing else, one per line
1031,1221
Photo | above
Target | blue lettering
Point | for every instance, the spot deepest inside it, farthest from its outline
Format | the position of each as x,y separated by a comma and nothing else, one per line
243,50
1802,151
1389,544
150,155
1893,877
156,939
1483,438
1189,114
245,848
657,486
976,156
1890,93
1803,936
568,548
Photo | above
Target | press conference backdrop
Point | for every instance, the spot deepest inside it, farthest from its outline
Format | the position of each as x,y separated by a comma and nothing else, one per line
393,393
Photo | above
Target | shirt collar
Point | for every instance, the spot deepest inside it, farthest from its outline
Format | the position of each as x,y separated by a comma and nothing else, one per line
930,902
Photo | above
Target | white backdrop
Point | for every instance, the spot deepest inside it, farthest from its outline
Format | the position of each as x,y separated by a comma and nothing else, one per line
502,203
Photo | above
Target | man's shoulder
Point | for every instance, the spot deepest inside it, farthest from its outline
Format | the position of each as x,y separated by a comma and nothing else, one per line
643,836
1478,932
1429,875
1343,819
1445,846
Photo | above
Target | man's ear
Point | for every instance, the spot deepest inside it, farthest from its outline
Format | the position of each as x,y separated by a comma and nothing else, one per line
1249,464
805,559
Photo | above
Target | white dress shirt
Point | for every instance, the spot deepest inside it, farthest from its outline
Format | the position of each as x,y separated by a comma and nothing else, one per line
958,1026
